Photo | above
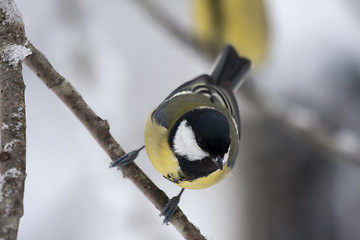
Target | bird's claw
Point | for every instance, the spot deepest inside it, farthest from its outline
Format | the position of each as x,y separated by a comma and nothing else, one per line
125,159
169,209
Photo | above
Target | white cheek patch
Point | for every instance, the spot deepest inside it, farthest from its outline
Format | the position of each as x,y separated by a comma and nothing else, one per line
185,143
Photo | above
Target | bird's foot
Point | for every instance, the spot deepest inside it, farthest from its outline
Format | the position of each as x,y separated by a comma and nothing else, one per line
170,208
126,159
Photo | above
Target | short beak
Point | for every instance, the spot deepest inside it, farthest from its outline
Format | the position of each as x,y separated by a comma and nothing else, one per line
219,162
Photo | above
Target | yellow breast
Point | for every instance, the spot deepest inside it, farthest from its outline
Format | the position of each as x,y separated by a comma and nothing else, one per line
163,159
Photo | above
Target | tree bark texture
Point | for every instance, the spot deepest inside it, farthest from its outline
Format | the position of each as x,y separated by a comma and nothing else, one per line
12,120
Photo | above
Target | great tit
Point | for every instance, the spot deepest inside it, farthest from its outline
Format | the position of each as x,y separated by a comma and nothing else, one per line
192,137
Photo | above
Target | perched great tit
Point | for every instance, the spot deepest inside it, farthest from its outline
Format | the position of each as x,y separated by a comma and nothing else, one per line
192,137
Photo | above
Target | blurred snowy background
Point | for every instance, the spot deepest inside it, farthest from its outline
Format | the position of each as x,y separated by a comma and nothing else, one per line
123,63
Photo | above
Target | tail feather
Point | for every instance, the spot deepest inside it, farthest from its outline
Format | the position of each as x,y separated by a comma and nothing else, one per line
230,69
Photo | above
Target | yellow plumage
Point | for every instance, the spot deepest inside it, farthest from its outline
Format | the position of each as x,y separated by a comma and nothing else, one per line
242,23
158,150
162,157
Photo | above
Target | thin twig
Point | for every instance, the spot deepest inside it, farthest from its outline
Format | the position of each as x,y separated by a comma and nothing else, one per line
12,119
99,128
318,138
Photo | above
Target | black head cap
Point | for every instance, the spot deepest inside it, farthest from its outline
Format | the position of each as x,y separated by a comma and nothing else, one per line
212,134
211,128
212,131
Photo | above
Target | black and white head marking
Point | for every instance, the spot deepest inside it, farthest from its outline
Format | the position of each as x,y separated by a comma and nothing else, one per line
200,140
184,143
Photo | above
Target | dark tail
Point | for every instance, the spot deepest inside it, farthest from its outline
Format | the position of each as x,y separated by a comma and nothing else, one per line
230,68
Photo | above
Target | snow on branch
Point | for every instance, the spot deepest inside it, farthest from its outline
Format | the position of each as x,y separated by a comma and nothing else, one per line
11,12
12,119
14,54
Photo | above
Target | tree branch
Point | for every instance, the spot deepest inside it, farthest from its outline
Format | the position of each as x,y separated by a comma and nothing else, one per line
312,134
99,128
12,119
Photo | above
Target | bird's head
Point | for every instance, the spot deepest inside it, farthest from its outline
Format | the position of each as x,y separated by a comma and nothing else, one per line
200,140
